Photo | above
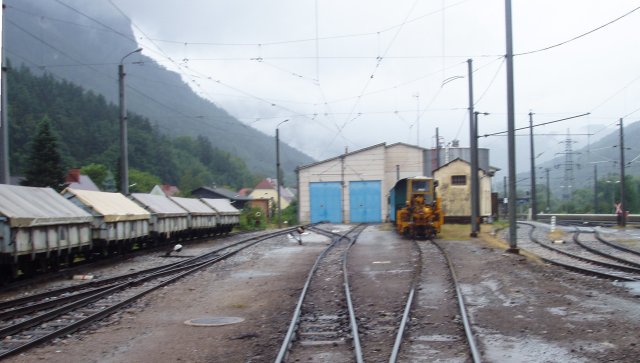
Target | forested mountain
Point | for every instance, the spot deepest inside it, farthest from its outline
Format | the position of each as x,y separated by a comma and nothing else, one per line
85,47
87,129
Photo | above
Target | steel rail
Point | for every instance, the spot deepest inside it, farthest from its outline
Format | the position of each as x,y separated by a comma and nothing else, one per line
179,273
576,239
403,323
475,354
407,309
580,258
615,245
288,339
63,272
295,320
347,291
573,267
118,279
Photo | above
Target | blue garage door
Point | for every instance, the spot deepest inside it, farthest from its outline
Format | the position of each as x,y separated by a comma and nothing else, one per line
364,202
326,202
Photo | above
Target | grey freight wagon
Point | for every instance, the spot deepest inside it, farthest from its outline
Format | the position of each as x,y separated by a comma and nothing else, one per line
228,215
202,218
118,222
168,219
39,230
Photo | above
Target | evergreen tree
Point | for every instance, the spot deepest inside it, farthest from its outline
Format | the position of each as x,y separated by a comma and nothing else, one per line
44,167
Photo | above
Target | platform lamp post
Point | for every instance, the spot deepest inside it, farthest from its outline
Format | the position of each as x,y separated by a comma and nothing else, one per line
124,157
278,172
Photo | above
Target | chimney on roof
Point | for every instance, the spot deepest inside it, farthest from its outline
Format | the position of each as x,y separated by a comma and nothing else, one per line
73,176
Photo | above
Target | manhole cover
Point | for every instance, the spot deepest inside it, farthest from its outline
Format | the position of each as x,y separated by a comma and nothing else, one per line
214,321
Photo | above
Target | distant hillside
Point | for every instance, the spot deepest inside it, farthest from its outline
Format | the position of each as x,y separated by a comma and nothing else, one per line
603,154
85,49
183,161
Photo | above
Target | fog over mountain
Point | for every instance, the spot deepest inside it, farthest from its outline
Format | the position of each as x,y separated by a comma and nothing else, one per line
85,48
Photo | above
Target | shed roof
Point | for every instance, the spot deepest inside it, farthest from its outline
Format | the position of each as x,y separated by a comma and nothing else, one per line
226,193
194,206
340,156
223,206
30,206
159,204
112,206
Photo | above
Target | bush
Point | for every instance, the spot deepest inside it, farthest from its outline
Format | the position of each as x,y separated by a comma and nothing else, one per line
252,219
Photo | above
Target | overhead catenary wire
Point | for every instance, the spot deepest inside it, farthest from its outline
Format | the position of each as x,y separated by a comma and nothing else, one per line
579,36
199,80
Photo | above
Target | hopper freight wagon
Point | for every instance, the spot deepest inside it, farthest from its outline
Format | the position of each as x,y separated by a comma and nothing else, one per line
118,222
168,221
202,219
39,231
228,215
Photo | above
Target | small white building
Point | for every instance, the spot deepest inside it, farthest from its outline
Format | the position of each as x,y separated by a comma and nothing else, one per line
354,187
454,189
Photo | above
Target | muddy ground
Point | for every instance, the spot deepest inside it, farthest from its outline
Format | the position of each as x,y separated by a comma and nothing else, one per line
522,310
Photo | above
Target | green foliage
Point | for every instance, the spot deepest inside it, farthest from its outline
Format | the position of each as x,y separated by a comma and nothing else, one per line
252,219
44,168
97,172
141,181
89,135
290,214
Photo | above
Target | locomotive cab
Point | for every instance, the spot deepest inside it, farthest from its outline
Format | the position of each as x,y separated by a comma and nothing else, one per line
415,208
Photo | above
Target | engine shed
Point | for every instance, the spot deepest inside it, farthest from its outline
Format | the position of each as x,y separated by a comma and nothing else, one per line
354,187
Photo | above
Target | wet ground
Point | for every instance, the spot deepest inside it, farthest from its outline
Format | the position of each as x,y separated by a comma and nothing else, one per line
522,310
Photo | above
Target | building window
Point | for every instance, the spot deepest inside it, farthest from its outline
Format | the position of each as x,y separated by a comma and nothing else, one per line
458,180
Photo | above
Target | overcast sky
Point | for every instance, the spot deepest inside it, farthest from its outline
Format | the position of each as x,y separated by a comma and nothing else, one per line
354,73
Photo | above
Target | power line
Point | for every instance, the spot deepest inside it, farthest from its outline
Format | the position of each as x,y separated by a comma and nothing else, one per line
581,35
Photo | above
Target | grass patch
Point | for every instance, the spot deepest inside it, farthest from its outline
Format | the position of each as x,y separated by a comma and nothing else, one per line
455,232
556,235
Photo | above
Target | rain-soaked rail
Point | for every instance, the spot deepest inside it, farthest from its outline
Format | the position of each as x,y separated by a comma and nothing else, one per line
31,320
576,260
466,323
321,324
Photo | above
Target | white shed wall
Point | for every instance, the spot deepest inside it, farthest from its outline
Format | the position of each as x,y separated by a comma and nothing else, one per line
381,162
456,199
365,165
405,158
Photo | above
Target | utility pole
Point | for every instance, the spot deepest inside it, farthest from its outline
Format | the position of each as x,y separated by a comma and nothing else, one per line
4,128
5,177
534,200
278,176
437,149
473,144
511,135
623,221
595,188
417,96
124,153
547,170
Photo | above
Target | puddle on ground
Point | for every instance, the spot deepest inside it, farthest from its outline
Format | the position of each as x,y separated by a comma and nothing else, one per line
504,349
632,286
252,274
437,338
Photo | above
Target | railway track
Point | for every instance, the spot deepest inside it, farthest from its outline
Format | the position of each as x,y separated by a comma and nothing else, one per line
333,322
324,323
591,242
38,318
78,267
572,256
437,294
